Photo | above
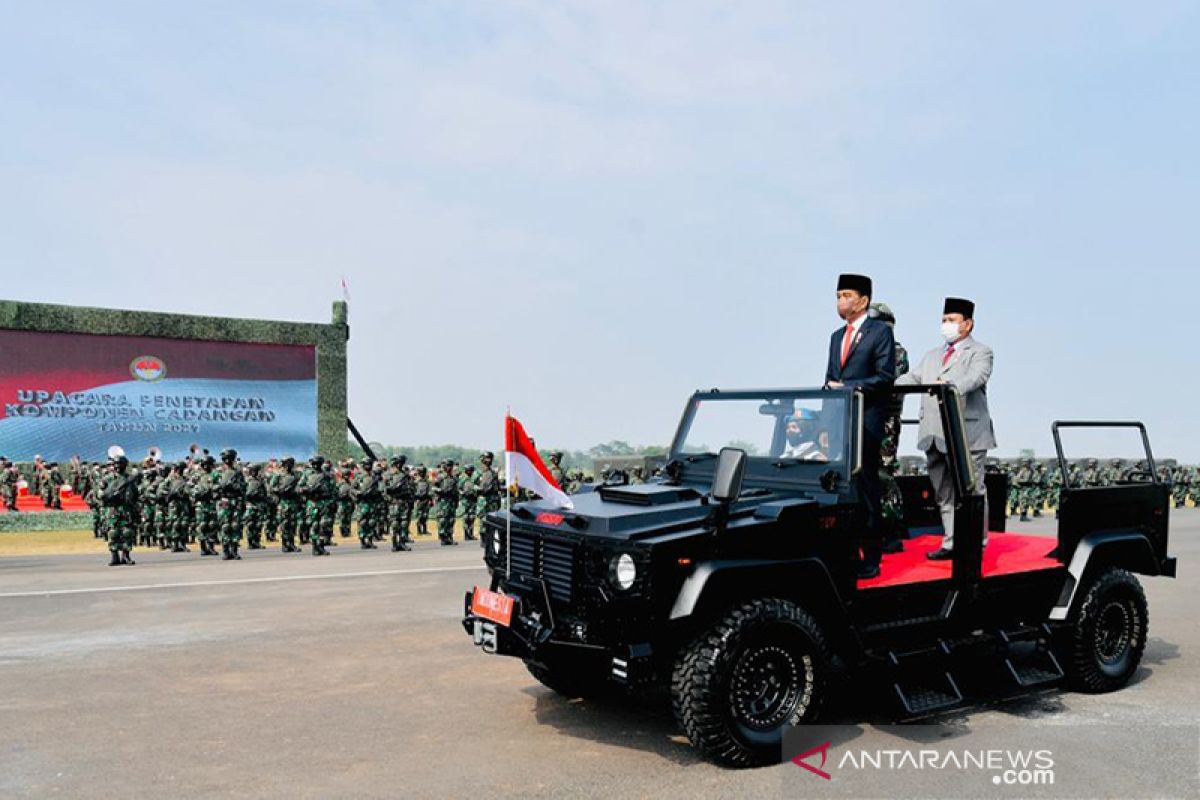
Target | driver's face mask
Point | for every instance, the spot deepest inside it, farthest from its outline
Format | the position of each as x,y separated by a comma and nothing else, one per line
793,435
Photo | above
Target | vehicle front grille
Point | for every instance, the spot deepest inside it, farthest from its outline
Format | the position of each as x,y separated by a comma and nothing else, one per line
538,555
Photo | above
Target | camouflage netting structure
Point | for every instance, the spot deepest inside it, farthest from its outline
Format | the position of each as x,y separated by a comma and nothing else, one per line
327,339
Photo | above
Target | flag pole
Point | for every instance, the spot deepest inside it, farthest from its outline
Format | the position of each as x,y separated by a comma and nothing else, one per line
507,501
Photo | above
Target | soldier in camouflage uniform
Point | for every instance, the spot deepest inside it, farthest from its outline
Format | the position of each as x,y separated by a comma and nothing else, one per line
318,493
177,508
1183,485
368,496
257,503
1114,472
446,491
230,489
422,499
204,506
271,509
147,497
1166,476
1054,485
9,478
892,500
556,470
397,490
52,481
468,501
1040,490
1194,492
120,498
162,525
1026,480
488,485
344,478
303,524
290,505
1092,475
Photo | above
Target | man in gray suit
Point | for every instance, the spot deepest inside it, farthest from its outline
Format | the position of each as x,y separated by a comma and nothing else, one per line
967,364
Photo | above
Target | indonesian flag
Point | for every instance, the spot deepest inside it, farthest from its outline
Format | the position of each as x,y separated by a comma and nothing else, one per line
524,468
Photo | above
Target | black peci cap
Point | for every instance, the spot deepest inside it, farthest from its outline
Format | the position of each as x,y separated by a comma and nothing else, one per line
857,283
957,305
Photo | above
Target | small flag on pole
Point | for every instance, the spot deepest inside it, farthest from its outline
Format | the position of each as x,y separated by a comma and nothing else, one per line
523,467
345,289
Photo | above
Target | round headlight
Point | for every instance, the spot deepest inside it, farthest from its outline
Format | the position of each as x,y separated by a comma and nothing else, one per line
624,571
496,542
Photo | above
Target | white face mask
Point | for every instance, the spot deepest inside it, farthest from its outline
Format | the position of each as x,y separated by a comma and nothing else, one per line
950,331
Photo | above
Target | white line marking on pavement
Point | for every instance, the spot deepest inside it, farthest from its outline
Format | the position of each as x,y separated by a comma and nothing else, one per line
134,588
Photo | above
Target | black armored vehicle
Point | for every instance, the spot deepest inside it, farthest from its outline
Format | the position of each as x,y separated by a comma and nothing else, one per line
731,582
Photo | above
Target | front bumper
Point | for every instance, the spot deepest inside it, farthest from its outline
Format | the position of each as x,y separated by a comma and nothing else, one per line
531,636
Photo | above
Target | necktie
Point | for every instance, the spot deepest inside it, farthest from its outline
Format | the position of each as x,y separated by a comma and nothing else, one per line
949,352
847,340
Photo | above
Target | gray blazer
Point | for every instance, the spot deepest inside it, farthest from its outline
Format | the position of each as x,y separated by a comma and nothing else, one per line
969,370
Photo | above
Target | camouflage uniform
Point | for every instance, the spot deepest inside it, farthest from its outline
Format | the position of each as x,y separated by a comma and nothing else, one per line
318,493
367,492
290,505
303,524
257,503
488,485
1026,480
345,497
271,509
231,489
468,501
397,488
52,480
204,507
422,500
447,503
892,502
556,470
177,509
8,484
147,498
120,497
1092,475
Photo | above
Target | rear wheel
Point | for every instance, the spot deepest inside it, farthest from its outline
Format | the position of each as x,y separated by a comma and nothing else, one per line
740,685
1109,632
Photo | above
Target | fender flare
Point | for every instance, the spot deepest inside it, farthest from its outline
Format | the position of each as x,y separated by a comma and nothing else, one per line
807,572
1085,551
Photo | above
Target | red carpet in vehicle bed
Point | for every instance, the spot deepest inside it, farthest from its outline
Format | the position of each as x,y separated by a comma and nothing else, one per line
1006,554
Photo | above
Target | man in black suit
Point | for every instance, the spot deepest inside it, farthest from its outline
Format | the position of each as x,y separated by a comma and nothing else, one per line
862,355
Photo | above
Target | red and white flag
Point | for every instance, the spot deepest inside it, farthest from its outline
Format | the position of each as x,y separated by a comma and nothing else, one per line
524,468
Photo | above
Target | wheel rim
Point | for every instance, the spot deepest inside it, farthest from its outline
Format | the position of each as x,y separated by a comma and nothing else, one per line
766,686
1113,633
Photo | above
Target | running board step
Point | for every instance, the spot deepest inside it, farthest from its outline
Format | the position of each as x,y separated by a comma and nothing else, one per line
923,684
1028,657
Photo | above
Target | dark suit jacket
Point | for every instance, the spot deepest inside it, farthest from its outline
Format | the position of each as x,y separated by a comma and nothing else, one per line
870,367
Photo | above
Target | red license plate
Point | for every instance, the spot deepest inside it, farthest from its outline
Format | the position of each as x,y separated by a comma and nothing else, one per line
493,606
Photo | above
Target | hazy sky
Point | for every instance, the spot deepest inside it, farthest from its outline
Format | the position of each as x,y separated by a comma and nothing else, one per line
585,211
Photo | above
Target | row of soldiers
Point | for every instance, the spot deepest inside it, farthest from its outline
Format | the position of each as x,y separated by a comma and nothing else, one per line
201,501
1034,486
45,480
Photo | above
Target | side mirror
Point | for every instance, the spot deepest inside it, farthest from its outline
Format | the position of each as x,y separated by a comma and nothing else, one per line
727,480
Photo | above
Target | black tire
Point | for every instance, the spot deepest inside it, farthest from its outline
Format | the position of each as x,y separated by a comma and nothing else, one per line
1108,636
762,668
571,680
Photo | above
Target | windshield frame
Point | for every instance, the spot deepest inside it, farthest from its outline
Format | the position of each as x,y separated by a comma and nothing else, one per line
761,471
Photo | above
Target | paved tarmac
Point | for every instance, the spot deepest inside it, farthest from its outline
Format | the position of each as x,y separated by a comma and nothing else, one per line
350,676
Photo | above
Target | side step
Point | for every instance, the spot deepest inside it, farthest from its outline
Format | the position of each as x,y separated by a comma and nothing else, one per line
1028,657
923,683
